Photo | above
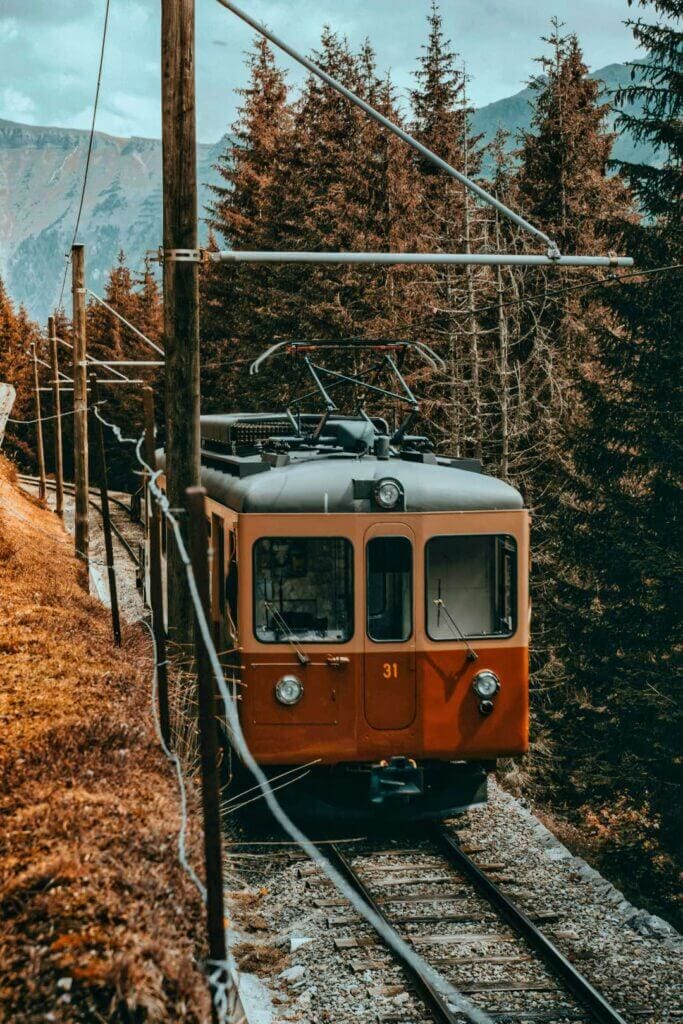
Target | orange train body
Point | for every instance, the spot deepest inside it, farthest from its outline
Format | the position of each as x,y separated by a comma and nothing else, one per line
359,633
413,698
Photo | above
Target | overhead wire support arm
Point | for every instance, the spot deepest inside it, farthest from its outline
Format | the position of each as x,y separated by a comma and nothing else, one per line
143,337
433,258
423,150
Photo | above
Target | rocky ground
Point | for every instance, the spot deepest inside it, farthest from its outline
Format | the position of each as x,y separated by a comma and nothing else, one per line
292,970
285,940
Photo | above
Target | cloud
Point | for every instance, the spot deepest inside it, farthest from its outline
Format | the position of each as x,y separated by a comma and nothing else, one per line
49,50
15,105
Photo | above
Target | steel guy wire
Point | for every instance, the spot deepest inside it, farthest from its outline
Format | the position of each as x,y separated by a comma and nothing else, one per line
557,292
89,153
231,809
274,778
388,934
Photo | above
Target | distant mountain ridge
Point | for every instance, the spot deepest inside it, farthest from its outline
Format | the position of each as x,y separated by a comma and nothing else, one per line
40,180
513,114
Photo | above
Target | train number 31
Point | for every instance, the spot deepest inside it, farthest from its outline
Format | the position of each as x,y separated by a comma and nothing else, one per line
390,670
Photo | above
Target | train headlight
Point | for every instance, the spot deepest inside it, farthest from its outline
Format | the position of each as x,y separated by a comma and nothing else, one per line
387,492
289,690
486,684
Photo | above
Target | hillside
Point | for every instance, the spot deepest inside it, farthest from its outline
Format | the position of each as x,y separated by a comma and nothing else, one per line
513,114
100,921
40,181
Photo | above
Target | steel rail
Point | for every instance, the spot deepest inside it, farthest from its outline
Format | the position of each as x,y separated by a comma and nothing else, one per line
68,484
585,994
69,489
438,1006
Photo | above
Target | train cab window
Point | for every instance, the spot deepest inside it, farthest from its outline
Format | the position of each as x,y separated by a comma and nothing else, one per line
471,587
303,589
389,588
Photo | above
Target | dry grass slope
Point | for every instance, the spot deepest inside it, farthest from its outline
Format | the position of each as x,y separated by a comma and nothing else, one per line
99,923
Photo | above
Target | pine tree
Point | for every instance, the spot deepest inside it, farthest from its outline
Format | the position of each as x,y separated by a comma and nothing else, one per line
138,302
242,308
623,536
449,222
17,333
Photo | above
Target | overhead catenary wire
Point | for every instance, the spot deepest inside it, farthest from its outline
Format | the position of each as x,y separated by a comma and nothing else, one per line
389,935
54,416
89,153
559,292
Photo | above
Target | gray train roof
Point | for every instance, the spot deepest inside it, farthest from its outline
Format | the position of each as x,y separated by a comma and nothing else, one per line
340,483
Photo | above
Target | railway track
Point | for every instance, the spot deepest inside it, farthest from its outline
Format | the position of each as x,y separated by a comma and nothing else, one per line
457,915
123,524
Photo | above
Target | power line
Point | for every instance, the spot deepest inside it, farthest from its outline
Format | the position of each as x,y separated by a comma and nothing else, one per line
584,285
89,153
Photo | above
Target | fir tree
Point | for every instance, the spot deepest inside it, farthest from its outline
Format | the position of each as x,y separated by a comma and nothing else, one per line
138,302
17,333
564,188
449,222
242,311
623,538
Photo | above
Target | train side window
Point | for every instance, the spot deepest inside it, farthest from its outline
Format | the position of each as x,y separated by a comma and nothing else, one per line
389,588
471,586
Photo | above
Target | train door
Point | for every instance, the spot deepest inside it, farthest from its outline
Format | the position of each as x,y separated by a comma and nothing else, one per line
389,663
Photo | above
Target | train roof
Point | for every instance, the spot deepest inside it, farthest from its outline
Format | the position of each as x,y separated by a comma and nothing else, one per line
251,463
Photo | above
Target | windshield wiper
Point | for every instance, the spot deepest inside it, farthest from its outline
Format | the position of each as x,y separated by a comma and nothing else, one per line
440,603
290,637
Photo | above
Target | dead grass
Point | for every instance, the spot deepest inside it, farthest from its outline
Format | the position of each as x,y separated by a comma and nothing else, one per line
99,921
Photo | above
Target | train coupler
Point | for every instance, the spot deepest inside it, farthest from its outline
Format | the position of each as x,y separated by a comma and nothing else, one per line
397,779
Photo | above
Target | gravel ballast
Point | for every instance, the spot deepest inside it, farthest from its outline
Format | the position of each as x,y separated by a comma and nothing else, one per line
633,958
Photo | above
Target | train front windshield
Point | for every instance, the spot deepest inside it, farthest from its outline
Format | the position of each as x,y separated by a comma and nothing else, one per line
471,585
303,589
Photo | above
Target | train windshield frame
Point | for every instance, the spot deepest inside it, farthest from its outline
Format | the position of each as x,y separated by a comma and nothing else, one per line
470,587
303,589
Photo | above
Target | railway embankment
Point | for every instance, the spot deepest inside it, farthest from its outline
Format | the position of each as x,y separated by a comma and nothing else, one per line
99,922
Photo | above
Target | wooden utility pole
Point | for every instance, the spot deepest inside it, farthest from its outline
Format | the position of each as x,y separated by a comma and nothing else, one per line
195,502
59,455
154,527
80,401
101,472
42,487
181,299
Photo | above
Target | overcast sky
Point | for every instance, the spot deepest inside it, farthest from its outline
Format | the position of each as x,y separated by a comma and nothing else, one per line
49,50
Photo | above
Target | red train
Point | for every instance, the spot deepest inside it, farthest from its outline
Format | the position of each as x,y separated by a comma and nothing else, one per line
377,596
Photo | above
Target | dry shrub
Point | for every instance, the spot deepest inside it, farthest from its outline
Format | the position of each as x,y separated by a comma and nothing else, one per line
259,958
100,923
